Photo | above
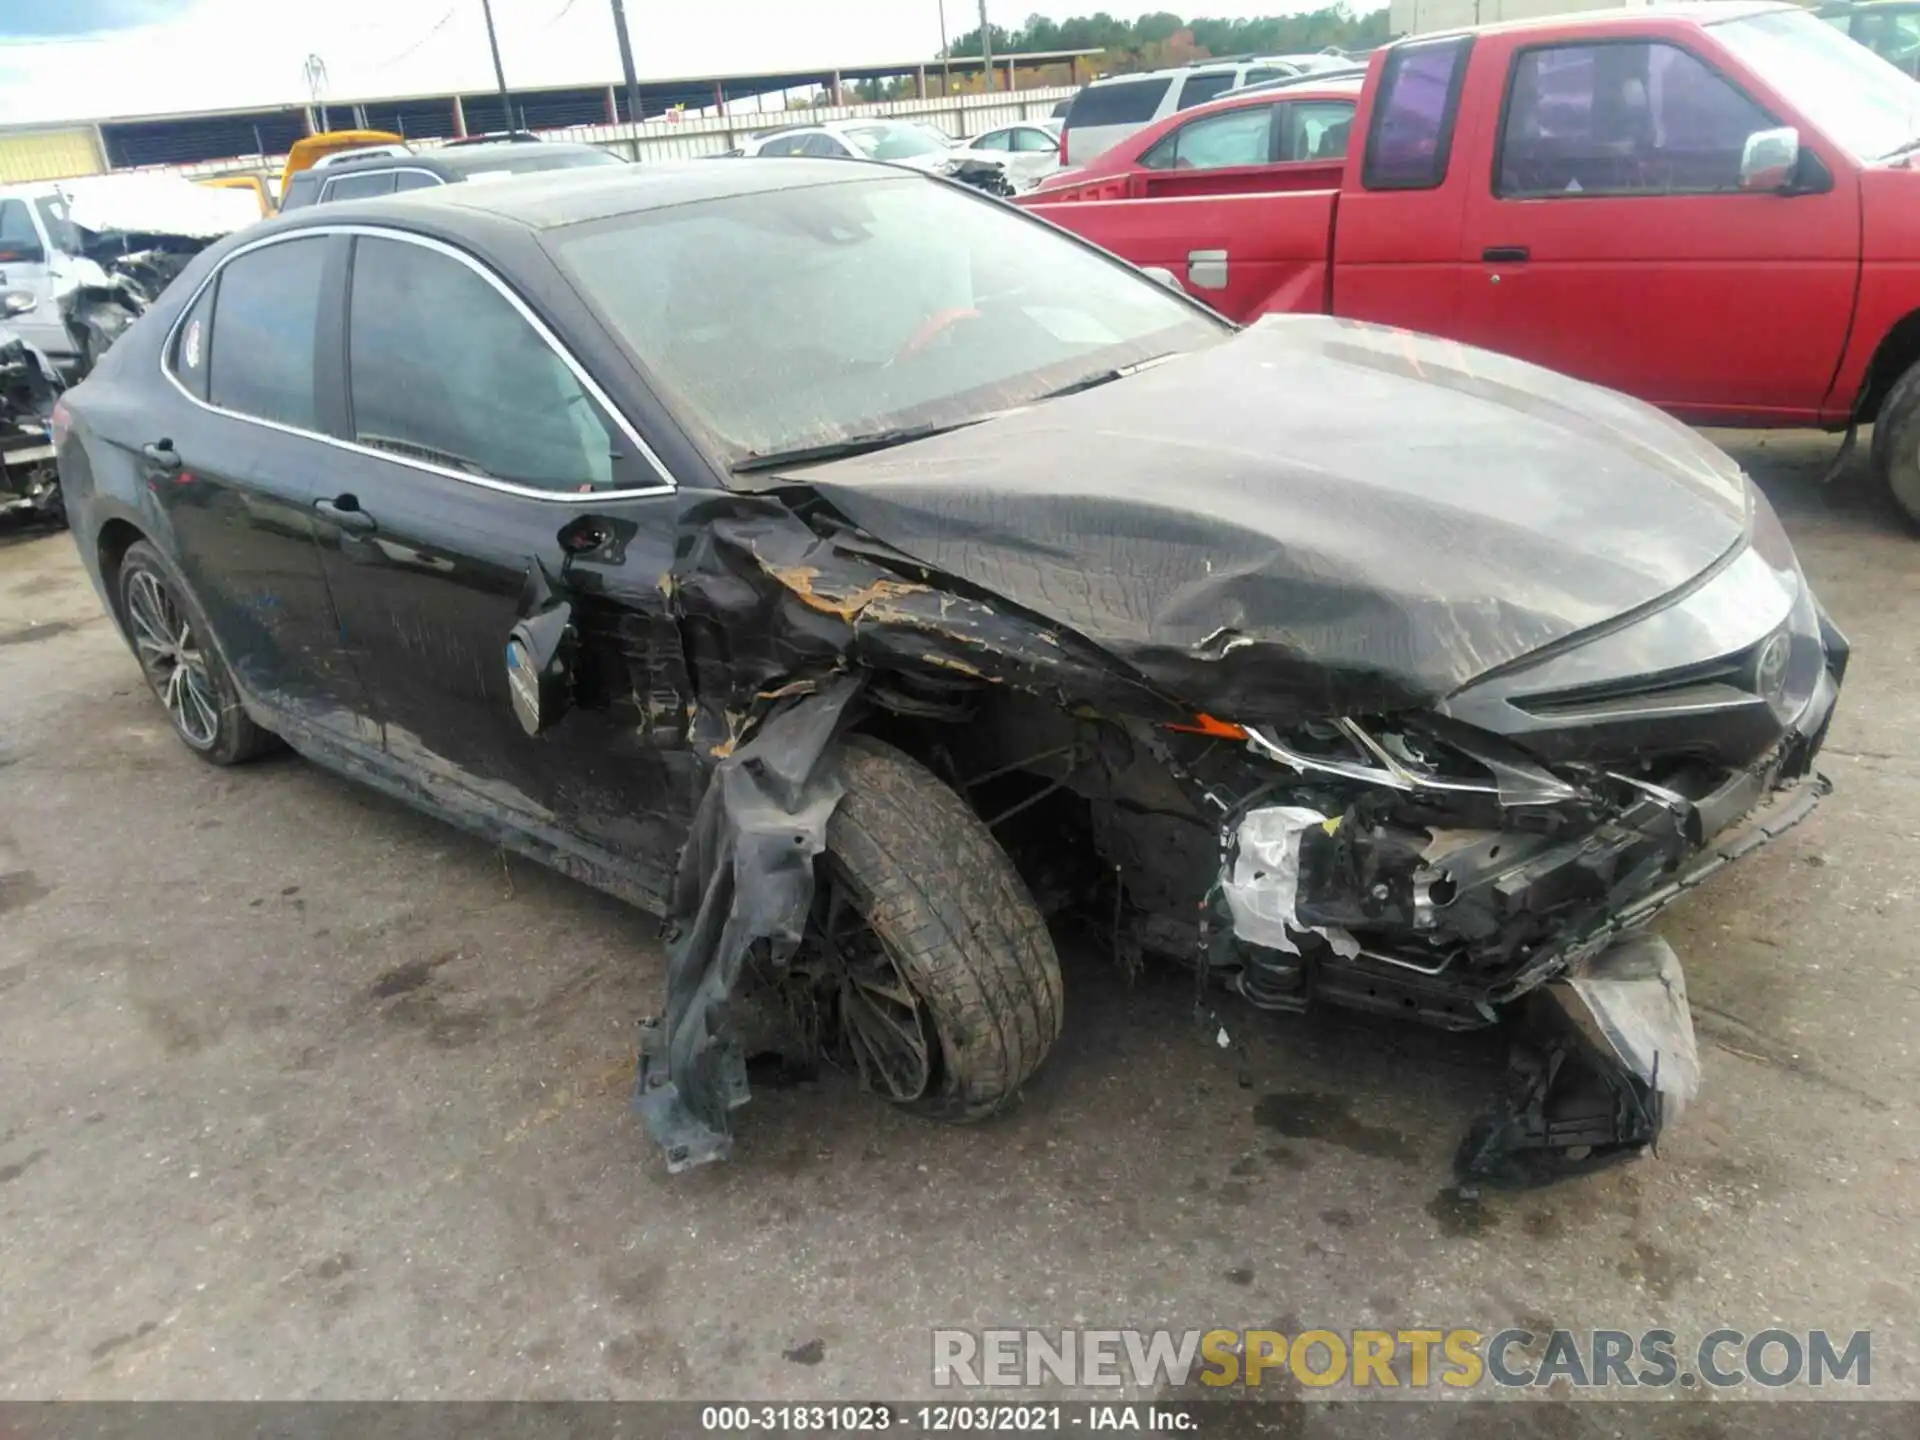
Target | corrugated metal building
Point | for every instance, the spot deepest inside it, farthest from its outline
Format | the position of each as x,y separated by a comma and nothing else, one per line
50,154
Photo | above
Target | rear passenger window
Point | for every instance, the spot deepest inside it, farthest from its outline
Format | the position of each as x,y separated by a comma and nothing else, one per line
1239,137
994,140
266,315
359,187
1205,86
1412,130
1118,102
1622,119
445,370
414,180
193,345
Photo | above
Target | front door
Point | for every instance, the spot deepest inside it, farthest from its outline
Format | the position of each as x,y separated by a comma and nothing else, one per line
234,461
1611,240
483,473
27,266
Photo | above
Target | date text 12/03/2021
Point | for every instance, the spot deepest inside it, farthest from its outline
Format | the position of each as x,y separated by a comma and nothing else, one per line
947,1419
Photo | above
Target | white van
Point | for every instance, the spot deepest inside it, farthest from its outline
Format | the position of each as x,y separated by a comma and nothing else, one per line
1109,110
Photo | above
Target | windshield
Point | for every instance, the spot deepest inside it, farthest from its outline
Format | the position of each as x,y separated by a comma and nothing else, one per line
807,317
893,142
1857,99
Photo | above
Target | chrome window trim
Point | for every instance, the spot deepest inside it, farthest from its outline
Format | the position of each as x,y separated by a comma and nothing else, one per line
668,485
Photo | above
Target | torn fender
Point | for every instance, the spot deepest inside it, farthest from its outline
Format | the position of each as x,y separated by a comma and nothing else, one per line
745,879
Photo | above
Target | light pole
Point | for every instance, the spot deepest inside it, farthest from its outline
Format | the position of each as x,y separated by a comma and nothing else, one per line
626,61
499,74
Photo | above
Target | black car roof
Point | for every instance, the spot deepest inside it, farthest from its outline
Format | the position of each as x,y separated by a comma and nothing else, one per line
545,199
454,163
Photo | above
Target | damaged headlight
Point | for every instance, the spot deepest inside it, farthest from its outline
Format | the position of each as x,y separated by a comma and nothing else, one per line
1427,754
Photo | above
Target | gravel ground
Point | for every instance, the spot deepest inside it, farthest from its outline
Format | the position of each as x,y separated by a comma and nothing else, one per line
306,1095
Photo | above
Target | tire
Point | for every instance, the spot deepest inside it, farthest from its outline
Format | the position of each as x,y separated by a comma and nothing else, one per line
1896,445
173,643
955,920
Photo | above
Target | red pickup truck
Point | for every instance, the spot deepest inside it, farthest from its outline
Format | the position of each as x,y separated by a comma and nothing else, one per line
1712,207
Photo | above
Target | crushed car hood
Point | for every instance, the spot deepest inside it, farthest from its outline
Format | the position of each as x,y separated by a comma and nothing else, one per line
1316,516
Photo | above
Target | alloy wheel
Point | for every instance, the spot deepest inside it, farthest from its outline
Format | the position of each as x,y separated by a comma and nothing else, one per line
173,660
877,1022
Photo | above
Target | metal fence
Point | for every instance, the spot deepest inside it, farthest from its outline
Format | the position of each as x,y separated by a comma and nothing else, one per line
694,136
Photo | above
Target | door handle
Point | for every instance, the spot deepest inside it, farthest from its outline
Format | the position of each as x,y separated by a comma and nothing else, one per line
345,511
162,455
1505,254
1207,269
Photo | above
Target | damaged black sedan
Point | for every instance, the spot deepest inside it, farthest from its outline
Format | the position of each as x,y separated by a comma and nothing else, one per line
865,574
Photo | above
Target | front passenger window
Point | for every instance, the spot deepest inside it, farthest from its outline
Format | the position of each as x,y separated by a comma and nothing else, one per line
1622,119
445,370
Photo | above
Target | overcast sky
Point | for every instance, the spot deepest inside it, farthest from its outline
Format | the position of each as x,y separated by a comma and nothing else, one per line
69,59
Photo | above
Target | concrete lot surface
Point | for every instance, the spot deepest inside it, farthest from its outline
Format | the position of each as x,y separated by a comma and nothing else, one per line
302,1094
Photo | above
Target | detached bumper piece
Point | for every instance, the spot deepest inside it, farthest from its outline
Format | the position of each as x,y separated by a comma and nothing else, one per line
1606,1058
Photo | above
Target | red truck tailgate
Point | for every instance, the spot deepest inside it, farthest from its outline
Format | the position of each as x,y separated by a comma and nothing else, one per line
1245,255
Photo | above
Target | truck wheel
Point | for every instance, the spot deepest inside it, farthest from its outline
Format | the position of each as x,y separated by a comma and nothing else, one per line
173,643
1896,444
938,979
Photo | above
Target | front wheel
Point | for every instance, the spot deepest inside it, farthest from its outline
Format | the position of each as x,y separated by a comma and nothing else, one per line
1896,445
932,970
173,643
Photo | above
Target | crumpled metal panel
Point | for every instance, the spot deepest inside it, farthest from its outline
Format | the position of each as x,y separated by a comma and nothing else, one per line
1317,517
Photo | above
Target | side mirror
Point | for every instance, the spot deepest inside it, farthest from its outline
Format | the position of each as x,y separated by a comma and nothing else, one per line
16,302
1165,276
1769,160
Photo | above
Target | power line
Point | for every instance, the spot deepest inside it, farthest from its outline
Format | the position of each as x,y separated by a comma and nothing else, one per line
438,26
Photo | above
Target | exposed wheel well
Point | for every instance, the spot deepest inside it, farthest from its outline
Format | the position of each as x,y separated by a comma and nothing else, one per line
1898,352
116,536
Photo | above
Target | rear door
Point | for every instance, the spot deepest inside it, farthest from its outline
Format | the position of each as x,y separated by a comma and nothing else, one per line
474,445
234,458
1606,234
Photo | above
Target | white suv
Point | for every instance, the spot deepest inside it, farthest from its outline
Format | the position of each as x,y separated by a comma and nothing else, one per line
1109,110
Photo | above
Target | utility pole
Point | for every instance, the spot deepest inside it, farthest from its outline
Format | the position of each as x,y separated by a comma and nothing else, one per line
499,73
946,54
986,46
626,62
